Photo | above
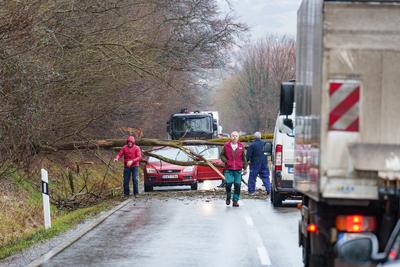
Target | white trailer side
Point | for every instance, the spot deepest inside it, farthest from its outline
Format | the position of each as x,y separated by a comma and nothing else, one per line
347,122
346,42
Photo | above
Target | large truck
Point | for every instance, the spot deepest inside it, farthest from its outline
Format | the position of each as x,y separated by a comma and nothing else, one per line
347,125
192,125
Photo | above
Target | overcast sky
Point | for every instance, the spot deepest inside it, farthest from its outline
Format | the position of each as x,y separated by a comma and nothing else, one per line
264,16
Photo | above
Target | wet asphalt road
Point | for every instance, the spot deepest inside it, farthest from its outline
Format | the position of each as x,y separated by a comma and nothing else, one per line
190,232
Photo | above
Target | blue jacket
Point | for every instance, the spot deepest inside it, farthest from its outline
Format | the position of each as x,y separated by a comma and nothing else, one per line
255,153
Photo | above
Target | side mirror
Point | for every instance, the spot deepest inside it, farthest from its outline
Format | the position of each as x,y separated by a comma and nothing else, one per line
286,126
358,250
215,125
287,98
267,148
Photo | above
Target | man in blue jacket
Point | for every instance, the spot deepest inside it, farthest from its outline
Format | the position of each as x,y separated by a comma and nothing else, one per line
258,164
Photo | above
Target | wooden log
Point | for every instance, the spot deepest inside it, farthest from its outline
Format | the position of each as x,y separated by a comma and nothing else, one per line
110,143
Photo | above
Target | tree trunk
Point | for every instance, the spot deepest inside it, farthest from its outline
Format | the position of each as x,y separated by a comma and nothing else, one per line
111,143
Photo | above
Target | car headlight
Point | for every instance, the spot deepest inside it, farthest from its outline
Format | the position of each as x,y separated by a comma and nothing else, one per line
188,169
151,170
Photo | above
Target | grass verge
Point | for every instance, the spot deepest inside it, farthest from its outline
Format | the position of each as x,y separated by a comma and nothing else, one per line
60,225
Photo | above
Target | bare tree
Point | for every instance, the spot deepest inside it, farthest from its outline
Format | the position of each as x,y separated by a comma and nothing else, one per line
252,92
70,69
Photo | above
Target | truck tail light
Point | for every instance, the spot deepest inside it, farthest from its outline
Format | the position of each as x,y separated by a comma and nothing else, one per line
312,228
355,223
278,158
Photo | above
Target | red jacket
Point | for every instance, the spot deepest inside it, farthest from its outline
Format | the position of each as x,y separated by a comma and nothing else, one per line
132,153
234,160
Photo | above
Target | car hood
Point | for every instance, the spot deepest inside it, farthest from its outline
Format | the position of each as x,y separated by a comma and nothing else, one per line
168,166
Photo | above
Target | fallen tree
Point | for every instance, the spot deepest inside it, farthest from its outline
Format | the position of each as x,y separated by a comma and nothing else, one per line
116,144
112,143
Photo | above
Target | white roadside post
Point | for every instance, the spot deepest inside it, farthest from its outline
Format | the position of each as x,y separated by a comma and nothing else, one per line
46,199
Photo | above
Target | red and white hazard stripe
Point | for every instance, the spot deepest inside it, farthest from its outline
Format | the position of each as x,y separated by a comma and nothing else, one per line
344,99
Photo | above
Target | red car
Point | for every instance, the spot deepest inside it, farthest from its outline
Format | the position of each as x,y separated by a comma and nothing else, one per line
210,153
160,173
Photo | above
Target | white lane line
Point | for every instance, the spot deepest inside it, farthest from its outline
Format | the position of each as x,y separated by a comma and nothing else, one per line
249,220
261,250
259,242
263,255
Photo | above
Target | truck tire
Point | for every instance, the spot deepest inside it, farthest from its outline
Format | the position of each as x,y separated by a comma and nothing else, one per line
312,260
272,196
317,261
305,249
276,198
193,186
306,255
148,188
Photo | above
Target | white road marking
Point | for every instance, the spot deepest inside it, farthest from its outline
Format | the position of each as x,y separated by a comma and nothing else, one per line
263,255
261,250
258,239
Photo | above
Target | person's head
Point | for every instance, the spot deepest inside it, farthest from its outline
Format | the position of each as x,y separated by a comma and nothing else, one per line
257,135
234,137
130,141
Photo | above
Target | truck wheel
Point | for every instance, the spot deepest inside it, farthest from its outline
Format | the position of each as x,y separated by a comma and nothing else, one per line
305,251
276,198
148,188
193,186
312,260
317,261
272,196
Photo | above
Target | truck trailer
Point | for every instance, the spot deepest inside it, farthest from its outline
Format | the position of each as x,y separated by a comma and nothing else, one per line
347,125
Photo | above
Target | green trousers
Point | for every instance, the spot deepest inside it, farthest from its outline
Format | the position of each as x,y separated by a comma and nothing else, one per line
235,178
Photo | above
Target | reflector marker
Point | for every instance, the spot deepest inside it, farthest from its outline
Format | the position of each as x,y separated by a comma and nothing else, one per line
344,98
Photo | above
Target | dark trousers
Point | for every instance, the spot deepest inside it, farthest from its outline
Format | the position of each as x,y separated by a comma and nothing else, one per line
262,170
233,178
128,173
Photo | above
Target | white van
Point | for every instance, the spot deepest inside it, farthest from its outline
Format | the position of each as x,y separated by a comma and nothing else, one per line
283,156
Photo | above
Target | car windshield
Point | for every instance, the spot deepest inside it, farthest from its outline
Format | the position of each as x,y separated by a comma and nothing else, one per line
170,153
201,124
208,152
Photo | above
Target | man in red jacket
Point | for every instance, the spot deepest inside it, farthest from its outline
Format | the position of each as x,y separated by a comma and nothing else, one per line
234,156
132,155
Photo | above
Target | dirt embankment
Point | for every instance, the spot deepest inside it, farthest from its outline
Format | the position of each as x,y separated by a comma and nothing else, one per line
76,179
